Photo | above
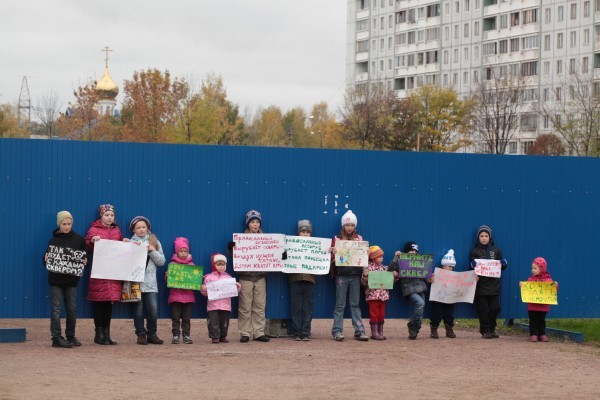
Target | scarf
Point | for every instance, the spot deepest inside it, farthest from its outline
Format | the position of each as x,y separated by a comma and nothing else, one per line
178,260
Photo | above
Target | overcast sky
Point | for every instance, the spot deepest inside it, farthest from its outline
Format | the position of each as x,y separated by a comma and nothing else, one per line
269,52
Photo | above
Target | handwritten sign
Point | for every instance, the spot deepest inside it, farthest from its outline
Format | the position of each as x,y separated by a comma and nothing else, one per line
351,253
491,268
412,265
307,255
258,252
65,260
381,280
221,289
184,276
120,261
539,293
453,287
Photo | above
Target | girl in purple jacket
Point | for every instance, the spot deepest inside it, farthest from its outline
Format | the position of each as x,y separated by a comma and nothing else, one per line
181,300
218,310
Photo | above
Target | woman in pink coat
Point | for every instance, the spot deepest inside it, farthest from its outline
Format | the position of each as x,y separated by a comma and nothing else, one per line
102,292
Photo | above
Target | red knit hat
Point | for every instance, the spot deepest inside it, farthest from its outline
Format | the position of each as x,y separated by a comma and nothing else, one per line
541,263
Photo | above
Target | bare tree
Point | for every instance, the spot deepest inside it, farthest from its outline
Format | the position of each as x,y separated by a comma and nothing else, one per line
367,113
499,105
574,111
47,110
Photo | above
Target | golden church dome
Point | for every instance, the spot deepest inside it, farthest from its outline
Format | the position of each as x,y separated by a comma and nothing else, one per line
106,87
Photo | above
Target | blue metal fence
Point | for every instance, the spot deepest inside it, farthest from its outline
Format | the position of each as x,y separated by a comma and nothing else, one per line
537,206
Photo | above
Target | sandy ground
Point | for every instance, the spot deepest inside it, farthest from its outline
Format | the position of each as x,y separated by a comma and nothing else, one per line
467,367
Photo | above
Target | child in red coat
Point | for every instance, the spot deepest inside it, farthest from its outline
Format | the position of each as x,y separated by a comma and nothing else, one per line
537,312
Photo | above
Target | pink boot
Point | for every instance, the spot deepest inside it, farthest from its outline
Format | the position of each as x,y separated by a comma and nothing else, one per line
543,338
381,331
375,331
533,338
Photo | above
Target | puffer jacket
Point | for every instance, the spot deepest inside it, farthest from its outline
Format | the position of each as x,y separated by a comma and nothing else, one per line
103,289
543,277
374,294
486,285
221,304
177,295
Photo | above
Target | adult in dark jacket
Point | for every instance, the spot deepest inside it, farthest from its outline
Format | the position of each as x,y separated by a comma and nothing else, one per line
65,258
103,292
487,294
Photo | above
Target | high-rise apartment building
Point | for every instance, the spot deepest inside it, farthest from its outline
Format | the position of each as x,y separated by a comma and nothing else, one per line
404,44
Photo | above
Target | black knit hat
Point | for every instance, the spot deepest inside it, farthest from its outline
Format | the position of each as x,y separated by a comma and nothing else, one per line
410,246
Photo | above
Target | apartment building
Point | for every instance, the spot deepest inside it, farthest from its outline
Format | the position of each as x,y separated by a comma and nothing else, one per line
404,44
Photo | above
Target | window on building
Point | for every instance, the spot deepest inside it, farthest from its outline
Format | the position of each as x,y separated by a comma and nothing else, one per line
447,33
586,37
445,80
514,45
455,78
457,7
420,36
400,39
433,33
559,67
390,21
363,4
411,37
381,44
456,32
446,9
528,144
561,13
466,53
466,31
503,46
586,9
558,93
475,76
545,94
362,25
467,5
382,23
477,4
381,65
512,147
573,38
573,10
445,56
489,49
529,68
374,23
362,46
410,60
433,10
389,43
476,53
559,41
476,28
514,19
546,68
572,68
529,94
529,123
390,64
411,15
504,21
455,56
465,78
529,16
531,42
401,16
548,15
421,13
547,42
585,65
420,58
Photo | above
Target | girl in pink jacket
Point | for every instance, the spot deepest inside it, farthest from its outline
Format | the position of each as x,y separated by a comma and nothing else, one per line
181,300
537,312
219,310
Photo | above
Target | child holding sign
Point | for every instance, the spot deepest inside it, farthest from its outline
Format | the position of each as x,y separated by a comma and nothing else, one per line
69,250
487,294
537,312
414,289
181,300
347,284
376,298
441,310
219,310
142,235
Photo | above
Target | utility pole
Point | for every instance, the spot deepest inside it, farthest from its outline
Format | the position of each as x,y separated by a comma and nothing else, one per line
24,107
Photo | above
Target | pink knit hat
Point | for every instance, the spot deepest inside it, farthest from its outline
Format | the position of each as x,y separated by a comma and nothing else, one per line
181,243
540,262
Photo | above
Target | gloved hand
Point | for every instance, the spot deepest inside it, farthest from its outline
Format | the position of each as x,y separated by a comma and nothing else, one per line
284,255
504,263
230,246
473,264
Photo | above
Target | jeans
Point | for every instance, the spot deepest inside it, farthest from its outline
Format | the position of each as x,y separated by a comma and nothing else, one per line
150,303
417,305
301,305
347,285
58,295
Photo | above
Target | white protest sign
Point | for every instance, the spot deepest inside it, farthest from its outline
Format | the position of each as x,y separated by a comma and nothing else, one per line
119,261
221,289
491,268
65,260
453,287
307,255
258,252
351,253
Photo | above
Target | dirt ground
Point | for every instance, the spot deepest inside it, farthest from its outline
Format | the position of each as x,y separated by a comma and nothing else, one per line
467,367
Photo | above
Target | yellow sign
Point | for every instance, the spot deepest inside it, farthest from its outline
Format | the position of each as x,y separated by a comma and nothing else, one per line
539,292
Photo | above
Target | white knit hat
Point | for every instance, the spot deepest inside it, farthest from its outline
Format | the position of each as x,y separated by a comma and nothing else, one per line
448,259
349,218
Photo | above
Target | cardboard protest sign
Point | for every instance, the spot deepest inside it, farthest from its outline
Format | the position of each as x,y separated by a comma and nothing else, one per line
184,276
381,280
258,252
65,260
119,261
351,253
415,265
307,255
221,289
453,287
539,293
490,268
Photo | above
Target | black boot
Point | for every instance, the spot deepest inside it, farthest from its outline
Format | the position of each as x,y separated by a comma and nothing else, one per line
61,342
100,338
107,336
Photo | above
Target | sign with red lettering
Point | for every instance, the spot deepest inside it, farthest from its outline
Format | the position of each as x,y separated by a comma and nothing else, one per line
453,287
258,252
491,268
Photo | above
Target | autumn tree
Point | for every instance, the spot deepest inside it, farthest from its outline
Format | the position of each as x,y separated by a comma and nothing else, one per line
499,106
294,126
150,104
547,145
441,118
47,110
325,130
9,126
80,119
574,111
267,128
368,117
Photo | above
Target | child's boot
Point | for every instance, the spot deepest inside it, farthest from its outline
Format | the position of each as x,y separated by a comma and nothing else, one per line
107,336
533,338
543,338
381,331
449,331
412,331
375,331
434,332
100,337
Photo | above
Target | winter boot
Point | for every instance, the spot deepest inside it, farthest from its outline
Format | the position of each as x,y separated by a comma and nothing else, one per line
61,342
434,332
375,331
412,331
449,331
100,338
107,336
142,339
381,331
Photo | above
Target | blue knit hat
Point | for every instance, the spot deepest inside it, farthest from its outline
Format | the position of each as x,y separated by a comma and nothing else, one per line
252,215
